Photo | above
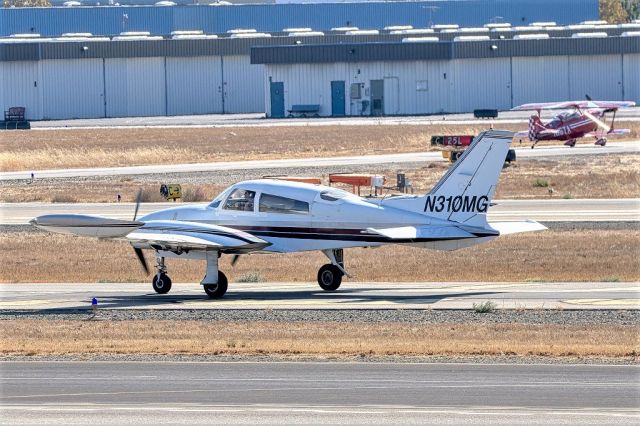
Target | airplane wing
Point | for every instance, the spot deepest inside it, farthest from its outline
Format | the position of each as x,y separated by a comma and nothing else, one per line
166,235
186,236
544,105
522,134
574,104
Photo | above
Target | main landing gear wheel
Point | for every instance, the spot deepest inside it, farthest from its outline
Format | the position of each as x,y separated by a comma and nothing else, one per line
329,277
571,143
161,283
601,142
215,291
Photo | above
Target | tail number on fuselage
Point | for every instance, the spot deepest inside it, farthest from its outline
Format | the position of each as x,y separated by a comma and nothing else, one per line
458,203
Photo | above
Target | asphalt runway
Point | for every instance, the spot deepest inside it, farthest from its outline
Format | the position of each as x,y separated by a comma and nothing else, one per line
311,393
413,157
545,210
351,295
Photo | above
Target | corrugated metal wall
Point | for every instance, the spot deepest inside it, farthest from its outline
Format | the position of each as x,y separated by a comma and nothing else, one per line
243,89
194,85
135,87
597,76
275,17
631,70
461,85
540,79
481,83
20,85
75,88
72,89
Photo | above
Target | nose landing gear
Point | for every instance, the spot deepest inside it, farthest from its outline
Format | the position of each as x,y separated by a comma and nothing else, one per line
214,282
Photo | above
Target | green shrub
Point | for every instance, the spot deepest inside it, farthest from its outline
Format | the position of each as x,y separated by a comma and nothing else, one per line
193,195
540,183
250,277
484,307
63,199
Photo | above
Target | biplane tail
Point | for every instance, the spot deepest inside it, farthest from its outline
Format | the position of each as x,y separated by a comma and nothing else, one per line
535,127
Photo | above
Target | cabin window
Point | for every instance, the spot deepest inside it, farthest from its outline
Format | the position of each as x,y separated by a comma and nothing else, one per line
240,200
276,204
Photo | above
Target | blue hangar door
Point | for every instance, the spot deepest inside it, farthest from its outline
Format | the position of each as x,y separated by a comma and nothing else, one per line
337,98
277,99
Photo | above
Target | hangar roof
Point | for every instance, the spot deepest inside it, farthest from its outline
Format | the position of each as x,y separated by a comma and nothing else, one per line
398,51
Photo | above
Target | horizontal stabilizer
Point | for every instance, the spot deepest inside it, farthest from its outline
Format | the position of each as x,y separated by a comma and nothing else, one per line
421,233
612,132
515,227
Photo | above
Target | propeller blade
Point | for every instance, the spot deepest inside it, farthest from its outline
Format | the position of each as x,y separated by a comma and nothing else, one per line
234,259
142,260
138,198
600,124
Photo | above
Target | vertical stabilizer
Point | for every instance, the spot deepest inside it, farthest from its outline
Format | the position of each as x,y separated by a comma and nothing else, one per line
465,192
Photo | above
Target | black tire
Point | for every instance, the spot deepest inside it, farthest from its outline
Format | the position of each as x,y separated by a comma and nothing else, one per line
329,277
162,285
216,291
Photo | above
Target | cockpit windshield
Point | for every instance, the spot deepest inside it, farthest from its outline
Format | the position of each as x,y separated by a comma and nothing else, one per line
216,201
569,115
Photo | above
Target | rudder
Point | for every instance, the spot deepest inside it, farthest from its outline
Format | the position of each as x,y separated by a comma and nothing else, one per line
465,192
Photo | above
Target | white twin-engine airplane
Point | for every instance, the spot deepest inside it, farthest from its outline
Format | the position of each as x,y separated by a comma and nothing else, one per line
283,217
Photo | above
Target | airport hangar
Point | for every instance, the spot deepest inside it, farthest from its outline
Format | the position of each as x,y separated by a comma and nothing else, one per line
366,74
95,75
421,76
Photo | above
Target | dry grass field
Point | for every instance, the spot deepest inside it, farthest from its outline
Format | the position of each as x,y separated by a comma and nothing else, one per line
59,337
577,255
607,176
71,148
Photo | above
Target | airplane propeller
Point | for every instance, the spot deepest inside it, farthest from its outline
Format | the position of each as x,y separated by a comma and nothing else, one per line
138,199
139,253
142,260
599,122
235,259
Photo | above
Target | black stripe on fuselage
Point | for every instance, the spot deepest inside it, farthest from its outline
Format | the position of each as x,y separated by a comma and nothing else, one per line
337,234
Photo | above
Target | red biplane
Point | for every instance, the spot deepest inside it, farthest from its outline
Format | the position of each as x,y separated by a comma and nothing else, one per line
583,119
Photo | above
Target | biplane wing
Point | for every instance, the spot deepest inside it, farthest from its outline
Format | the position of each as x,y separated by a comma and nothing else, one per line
575,104
615,132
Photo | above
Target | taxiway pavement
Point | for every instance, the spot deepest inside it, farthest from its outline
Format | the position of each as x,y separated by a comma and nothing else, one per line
258,120
543,210
316,392
412,157
351,295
